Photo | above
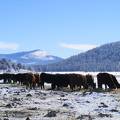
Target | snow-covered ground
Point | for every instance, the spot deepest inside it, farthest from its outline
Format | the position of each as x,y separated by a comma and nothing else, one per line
17,103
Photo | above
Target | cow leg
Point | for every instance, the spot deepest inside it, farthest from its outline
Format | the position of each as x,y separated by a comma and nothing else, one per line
9,80
72,87
86,86
80,87
100,85
53,86
4,81
94,86
27,85
105,86
33,85
41,84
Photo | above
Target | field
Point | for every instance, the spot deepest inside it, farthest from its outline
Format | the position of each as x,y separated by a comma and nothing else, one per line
17,103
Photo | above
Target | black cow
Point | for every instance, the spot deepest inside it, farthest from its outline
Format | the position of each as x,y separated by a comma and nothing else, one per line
56,80
27,79
106,79
7,77
48,78
115,81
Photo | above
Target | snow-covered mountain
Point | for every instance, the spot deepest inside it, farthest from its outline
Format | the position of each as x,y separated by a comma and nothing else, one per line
33,57
103,58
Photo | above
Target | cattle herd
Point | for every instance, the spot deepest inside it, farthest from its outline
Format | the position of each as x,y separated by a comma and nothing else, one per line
57,81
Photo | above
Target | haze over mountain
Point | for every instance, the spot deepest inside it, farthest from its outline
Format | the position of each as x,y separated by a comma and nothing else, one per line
103,58
33,57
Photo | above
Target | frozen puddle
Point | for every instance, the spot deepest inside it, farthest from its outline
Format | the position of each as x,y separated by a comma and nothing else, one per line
17,103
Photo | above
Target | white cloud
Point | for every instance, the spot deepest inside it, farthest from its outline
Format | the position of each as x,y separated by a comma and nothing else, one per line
8,46
81,47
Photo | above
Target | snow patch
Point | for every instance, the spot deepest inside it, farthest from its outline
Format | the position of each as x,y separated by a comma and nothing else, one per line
39,54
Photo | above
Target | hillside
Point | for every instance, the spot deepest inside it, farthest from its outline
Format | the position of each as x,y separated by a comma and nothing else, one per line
103,58
9,66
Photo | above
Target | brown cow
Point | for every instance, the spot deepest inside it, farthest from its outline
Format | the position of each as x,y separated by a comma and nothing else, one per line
38,81
77,80
29,80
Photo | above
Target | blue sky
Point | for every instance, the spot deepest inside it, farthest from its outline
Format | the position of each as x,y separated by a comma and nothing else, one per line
60,27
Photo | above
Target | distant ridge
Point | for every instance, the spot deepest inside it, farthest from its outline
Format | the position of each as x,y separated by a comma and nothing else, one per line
34,57
103,58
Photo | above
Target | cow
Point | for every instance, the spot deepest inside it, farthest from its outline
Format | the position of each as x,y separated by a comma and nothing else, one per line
7,77
90,81
48,78
56,80
62,80
27,79
18,78
115,81
106,79
38,81
77,80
